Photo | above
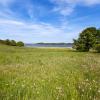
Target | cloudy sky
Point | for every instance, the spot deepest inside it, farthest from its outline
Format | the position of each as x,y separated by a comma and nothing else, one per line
34,21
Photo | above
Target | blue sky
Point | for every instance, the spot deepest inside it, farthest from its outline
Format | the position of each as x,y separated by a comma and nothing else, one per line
34,21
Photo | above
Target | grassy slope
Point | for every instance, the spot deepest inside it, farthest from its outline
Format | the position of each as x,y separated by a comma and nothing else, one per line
48,74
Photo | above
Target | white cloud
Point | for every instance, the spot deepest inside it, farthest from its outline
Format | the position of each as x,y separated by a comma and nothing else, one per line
32,10
64,10
30,31
6,2
20,30
83,2
5,11
10,22
91,2
66,7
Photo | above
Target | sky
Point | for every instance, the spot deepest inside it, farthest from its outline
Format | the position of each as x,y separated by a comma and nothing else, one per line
33,21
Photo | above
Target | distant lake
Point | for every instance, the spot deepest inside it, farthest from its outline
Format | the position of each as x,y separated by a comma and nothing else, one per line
69,45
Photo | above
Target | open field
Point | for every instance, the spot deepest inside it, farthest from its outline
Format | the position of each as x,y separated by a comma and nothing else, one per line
48,74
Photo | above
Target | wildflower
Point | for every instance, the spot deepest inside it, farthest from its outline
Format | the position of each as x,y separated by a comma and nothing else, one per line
82,95
34,84
12,83
79,87
82,90
42,80
98,91
87,80
68,84
83,83
90,97
23,85
37,92
93,80
7,84
58,88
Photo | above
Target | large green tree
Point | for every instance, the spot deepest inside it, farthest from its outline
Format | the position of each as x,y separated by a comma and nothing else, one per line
87,39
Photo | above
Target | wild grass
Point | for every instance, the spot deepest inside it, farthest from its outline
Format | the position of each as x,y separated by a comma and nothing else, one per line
48,74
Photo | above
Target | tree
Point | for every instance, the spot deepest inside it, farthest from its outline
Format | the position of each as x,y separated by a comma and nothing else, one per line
97,44
98,37
86,40
13,42
97,47
1,41
7,42
20,44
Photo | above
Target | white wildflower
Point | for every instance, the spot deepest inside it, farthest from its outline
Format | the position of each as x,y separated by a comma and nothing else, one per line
79,87
93,80
37,92
98,91
82,90
87,80
23,85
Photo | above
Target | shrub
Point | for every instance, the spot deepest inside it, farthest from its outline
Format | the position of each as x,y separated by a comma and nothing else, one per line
1,41
7,42
20,44
13,42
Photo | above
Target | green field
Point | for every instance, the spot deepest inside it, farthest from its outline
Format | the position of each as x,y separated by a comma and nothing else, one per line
48,74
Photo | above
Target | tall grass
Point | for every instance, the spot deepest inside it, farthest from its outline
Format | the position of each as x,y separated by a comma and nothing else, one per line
48,74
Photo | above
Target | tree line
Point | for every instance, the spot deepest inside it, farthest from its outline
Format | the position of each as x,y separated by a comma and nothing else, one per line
11,42
88,39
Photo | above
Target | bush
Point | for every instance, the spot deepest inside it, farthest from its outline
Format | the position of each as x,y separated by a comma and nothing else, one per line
2,42
13,43
7,42
97,47
20,44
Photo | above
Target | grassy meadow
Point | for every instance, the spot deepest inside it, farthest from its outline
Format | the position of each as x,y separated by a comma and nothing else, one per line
48,74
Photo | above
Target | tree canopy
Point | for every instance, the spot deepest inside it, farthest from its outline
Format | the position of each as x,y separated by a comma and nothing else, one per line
20,44
12,42
88,38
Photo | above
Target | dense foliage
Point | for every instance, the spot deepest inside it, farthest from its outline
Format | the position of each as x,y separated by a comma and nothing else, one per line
12,43
88,39
20,44
97,47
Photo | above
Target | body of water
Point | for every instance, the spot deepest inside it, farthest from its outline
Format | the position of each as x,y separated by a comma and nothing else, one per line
50,45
